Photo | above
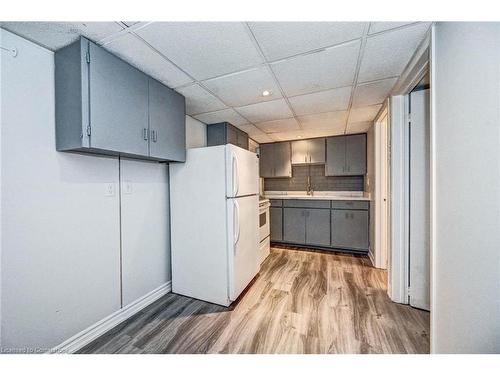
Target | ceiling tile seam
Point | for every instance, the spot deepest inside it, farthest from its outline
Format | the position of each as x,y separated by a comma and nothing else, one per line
370,82
393,29
320,91
126,30
356,74
316,50
257,45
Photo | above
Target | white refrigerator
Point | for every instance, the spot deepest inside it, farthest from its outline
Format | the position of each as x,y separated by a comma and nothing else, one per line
214,223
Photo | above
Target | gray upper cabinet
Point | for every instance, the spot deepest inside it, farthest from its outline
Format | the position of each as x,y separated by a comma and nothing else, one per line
300,152
223,133
275,160
106,106
346,155
118,104
356,154
335,156
166,123
308,151
350,229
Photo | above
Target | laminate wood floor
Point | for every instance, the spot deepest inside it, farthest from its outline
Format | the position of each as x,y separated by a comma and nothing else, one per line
302,302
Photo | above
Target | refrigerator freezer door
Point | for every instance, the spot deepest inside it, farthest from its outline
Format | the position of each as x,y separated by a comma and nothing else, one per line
242,175
243,241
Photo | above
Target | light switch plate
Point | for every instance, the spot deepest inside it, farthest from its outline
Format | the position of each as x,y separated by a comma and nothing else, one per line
109,190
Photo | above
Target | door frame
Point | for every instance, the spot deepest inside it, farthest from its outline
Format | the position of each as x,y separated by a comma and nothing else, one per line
399,138
379,250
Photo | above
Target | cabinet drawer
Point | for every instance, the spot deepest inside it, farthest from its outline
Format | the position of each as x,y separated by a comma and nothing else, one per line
306,203
351,205
276,202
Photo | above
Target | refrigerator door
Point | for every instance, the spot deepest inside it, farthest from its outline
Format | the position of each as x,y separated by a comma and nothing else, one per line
242,169
243,241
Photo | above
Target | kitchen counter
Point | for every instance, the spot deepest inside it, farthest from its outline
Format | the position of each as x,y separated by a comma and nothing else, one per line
319,195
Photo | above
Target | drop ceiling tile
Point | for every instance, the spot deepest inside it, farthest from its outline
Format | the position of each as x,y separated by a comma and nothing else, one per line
266,111
327,69
377,27
262,138
133,50
282,39
55,35
373,92
199,100
315,133
358,127
249,129
324,121
363,114
322,101
277,126
204,49
246,87
287,136
387,54
229,115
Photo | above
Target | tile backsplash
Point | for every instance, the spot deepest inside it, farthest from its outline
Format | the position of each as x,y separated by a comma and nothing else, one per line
319,182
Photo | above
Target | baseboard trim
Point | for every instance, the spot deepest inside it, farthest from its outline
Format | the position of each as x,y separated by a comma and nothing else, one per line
89,334
372,259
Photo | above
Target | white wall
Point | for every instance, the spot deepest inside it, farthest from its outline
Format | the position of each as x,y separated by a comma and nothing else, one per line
196,133
60,232
465,84
145,227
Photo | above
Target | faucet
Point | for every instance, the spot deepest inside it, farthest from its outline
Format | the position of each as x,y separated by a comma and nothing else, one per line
309,188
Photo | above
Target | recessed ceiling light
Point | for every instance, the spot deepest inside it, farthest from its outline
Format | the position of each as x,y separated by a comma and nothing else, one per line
266,93
299,136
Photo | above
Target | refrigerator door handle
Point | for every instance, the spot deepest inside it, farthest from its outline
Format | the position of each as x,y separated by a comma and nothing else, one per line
235,176
236,223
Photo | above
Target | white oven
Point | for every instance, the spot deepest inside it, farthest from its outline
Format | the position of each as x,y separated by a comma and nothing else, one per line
264,229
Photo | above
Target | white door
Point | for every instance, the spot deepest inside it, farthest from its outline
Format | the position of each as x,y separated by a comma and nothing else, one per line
243,240
420,200
242,175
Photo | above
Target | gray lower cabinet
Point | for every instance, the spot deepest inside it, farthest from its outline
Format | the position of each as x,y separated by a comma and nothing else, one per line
104,105
275,160
318,227
350,229
223,133
166,114
294,225
322,223
276,225
304,226
346,155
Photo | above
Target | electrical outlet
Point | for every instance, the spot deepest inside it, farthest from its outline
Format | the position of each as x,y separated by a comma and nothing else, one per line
109,190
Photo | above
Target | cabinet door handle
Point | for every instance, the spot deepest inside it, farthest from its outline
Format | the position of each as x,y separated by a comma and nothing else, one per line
145,134
310,158
305,158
